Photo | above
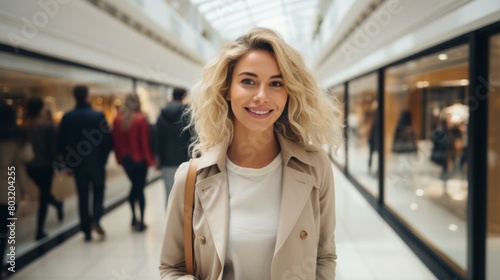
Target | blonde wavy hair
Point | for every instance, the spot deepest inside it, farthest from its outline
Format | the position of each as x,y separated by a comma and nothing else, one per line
310,117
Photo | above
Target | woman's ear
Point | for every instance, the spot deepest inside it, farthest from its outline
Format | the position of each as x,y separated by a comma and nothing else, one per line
228,96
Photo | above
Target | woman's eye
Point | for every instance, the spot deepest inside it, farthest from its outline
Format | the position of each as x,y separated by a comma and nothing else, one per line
276,84
248,82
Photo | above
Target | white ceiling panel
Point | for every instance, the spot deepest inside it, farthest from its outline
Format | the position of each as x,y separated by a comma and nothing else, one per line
295,20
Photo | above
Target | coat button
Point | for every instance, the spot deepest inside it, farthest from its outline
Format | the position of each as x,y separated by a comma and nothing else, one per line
303,234
203,240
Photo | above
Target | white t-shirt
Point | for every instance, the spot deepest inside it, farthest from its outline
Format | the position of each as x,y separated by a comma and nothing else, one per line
254,203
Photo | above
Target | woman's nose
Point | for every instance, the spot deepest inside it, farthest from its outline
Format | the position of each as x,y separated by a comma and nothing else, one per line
261,95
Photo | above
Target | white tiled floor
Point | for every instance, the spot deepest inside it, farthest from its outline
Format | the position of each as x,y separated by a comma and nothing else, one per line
367,247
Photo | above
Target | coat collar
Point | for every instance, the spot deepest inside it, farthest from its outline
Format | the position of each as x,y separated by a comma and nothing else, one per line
290,149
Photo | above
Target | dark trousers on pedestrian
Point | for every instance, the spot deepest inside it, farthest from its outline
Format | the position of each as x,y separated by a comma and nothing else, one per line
136,172
85,178
43,180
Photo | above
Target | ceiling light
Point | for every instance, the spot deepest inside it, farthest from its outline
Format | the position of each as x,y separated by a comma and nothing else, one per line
458,196
413,206
443,56
422,84
453,227
420,192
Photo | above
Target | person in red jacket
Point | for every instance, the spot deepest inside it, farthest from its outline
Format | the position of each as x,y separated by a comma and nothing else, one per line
133,151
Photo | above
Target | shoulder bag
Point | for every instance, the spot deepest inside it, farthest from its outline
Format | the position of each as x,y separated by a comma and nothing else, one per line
188,215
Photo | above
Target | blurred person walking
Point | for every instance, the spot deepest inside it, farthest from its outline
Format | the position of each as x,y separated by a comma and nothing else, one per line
15,151
84,144
172,140
43,138
131,141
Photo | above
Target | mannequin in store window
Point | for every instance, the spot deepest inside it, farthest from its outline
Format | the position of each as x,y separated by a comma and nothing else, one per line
440,146
405,140
373,141
450,141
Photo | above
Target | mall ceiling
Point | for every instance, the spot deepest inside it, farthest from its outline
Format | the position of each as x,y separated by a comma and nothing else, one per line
295,20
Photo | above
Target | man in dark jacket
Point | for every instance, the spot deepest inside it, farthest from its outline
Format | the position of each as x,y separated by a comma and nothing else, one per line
84,144
172,140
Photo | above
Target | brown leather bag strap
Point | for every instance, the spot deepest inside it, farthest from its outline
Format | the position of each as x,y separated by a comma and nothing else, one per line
188,215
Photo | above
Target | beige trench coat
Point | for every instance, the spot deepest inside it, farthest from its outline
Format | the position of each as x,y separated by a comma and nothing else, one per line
305,246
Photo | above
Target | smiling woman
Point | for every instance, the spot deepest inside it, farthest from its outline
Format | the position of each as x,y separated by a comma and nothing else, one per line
264,203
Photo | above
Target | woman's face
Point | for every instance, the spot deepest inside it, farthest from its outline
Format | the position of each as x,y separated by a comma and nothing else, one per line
257,92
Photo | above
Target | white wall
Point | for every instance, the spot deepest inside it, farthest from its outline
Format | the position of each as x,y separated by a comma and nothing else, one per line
78,31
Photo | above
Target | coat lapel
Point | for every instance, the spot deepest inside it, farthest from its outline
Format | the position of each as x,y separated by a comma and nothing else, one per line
295,192
296,189
214,197
213,192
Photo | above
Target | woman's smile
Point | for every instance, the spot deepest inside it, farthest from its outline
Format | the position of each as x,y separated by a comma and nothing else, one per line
259,113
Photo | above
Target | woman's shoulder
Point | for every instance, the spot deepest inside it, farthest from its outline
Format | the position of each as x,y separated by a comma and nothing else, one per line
141,118
318,156
180,176
312,155
318,159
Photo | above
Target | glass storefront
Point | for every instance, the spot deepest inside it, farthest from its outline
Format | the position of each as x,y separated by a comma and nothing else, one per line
493,191
362,133
425,149
23,77
338,93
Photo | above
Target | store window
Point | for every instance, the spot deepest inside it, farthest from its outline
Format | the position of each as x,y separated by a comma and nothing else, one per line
362,134
493,205
23,77
337,93
425,149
